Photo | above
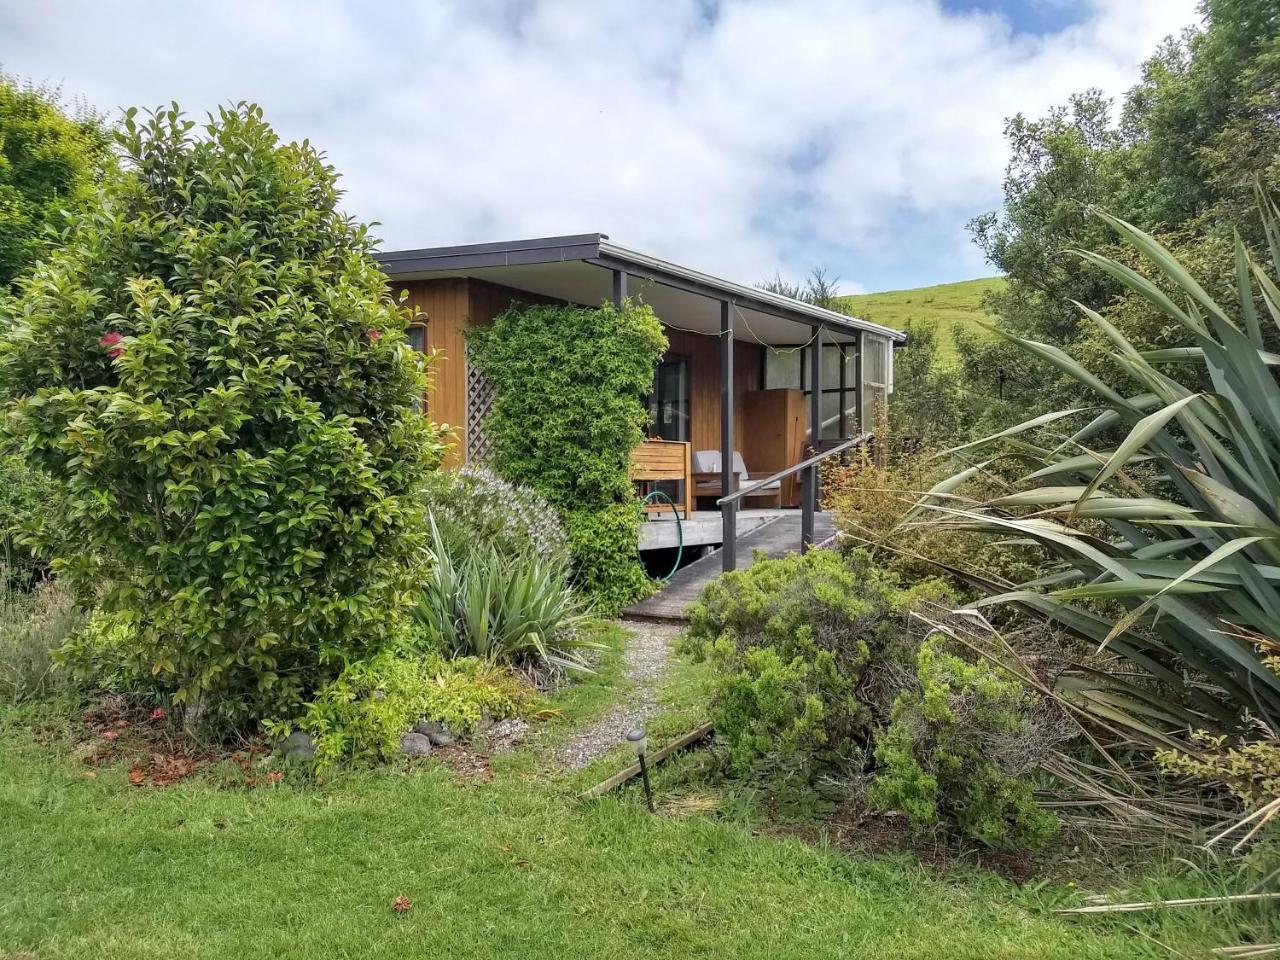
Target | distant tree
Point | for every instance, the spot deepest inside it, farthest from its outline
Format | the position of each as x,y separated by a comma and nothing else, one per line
50,162
1183,157
929,405
818,288
211,368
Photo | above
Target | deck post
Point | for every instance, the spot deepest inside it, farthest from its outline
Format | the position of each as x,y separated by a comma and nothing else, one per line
728,479
809,479
619,287
857,376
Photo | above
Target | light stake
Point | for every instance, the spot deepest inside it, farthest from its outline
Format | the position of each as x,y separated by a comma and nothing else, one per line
640,743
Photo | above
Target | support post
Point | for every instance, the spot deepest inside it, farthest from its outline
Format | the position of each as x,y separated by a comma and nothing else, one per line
809,478
619,287
728,479
857,376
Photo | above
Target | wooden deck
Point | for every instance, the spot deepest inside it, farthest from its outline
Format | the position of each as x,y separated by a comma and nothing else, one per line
776,537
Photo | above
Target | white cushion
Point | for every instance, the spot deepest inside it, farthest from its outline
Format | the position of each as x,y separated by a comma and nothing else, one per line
706,461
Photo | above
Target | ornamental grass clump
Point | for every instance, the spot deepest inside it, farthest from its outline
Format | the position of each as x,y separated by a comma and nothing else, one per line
518,610
211,370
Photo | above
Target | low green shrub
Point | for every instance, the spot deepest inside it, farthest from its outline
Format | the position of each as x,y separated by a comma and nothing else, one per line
795,644
25,504
104,653
520,611
361,714
606,567
958,750
474,505
33,624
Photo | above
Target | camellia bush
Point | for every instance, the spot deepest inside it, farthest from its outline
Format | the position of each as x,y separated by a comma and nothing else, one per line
212,370
567,412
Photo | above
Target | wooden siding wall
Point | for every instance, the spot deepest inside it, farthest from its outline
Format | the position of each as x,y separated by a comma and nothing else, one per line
703,353
451,305
445,304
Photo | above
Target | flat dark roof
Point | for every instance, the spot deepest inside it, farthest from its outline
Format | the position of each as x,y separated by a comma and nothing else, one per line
598,249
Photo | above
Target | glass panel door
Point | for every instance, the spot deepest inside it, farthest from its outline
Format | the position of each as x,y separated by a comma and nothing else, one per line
669,403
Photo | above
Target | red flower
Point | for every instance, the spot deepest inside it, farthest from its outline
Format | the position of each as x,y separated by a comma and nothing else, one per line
373,334
110,340
158,713
110,735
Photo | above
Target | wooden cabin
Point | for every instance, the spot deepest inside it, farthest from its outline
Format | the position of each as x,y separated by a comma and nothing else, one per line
747,371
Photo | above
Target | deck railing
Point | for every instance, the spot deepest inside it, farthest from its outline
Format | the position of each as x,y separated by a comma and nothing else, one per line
808,501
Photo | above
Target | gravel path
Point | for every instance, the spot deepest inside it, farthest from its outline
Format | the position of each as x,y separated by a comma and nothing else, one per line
646,656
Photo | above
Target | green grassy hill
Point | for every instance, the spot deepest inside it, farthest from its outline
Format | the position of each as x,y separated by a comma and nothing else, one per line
943,306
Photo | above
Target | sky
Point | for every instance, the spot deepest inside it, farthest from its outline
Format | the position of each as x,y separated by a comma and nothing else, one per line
738,137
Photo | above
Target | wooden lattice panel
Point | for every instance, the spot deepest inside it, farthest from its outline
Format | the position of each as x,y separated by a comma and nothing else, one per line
479,400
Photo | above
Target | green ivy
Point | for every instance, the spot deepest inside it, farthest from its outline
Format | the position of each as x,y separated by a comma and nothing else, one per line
211,369
567,412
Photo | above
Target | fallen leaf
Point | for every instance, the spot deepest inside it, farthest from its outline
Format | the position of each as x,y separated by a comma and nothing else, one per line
401,904
275,776
136,776
91,774
166,771
110,735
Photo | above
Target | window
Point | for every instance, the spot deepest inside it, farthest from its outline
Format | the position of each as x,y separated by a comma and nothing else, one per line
417,334
669,402
789,367
418,337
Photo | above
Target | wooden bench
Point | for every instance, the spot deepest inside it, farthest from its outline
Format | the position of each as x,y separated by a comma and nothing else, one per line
656,460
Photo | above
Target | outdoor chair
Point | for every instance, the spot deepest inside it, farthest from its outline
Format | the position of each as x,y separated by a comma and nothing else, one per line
706,478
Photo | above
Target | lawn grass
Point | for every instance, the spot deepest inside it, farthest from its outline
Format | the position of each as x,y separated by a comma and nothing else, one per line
943,307
512,867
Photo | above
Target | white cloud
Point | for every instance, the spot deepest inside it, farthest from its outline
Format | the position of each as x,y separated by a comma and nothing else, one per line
736,137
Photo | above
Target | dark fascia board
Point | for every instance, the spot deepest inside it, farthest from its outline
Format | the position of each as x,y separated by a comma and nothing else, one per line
582,246
596,249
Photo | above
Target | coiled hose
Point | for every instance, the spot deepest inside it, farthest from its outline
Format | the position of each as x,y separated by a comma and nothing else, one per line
654,495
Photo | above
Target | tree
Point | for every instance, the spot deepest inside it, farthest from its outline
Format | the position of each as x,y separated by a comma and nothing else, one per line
49,162
1191,143
211,367
929,401
818,288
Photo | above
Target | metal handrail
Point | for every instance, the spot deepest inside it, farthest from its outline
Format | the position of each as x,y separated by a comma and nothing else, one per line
802,465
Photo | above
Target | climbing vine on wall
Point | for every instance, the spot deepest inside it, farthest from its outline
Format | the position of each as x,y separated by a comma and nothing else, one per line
568,409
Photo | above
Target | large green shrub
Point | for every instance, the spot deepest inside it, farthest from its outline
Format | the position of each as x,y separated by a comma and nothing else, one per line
211,368
958,750
800,648
49,163
567,412
26,498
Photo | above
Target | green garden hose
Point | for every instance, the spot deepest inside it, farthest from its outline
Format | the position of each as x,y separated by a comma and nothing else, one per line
652,495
